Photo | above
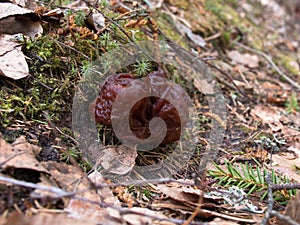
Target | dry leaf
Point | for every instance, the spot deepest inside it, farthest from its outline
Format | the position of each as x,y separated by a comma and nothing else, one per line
182,194
71,178
24,155
270,115
251,61
9,49
196,38
118,159
219,221
136,219
15,20
105,193
286,166
46,219
98,21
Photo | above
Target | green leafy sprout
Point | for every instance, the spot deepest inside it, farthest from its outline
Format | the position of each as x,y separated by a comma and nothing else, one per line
291,104
142,68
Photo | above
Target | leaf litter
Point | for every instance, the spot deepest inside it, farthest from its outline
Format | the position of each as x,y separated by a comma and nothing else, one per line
90,198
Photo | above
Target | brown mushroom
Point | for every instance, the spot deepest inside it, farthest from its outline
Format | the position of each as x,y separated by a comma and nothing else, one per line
145,109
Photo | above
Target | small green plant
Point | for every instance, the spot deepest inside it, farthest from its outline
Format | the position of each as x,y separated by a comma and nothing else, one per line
142,68
104,3
70,153
86,67
251,180
80,18
291,104
104,39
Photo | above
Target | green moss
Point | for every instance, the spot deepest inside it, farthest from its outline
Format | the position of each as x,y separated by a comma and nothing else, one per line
286,61
166,24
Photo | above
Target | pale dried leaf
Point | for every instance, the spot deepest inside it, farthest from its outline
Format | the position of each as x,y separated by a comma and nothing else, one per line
77,5
9,9
68,177
196,38
98,21
15,20
135,219
24,155
285,165
181,194
204,86
118,159
46,219
105,192
219,221
12,59
71,178
251,61
270,115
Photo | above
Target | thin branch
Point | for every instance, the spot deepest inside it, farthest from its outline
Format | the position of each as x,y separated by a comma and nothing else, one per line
269,59
270,201
55,190
287,219
121,29
74,49
61,193
290,186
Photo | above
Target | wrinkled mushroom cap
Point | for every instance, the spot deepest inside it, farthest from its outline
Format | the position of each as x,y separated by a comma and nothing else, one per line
145,109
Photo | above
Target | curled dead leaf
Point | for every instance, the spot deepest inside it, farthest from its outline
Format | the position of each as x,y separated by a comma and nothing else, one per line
15,19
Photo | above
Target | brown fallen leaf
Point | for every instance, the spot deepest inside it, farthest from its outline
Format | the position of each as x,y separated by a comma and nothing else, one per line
286,166
118,159
251,61
271,115
136,219
186,195
15,19
45,219
20,155
219,221
71,178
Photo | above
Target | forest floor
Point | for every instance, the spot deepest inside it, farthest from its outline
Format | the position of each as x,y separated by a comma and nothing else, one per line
237,61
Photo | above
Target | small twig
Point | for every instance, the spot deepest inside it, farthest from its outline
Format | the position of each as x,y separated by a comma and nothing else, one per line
287,219
290,186
121,29
196,211
270,201
269,59
74,49
59,192
56,129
